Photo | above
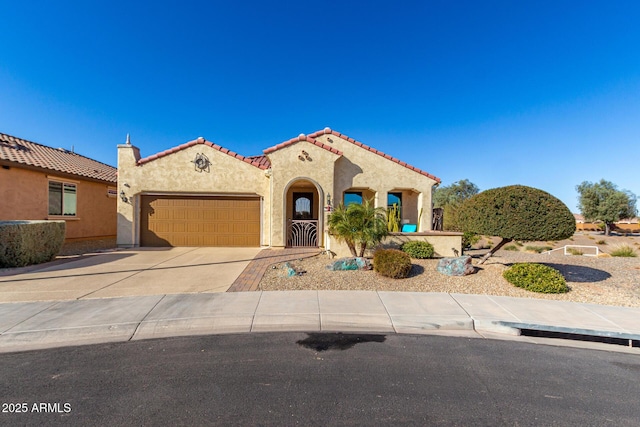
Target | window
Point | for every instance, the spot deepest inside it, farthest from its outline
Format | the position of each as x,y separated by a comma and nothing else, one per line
395,199
62,198
352,197
302,205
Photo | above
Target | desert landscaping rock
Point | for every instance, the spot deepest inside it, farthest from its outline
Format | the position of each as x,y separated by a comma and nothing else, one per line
459,266
608,281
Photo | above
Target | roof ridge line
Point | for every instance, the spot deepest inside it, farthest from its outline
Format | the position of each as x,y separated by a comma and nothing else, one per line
300,138
201,141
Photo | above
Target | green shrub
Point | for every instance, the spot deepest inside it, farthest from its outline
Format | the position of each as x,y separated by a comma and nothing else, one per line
601,242
574,251
624,251
538,249
392,263
517,212
30,242
511,248
536,278
418,249
469,239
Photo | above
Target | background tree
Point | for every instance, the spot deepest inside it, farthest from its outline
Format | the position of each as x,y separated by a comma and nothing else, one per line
449,198
602,201
517,212
358,224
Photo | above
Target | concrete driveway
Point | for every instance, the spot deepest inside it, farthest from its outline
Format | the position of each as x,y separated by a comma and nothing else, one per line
139,272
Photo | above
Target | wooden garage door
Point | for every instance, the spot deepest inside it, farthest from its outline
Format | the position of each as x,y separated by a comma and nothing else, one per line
199,221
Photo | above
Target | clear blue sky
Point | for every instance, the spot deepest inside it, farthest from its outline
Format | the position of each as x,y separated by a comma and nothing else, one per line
538,93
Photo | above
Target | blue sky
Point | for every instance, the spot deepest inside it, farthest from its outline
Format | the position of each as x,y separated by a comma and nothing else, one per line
538,93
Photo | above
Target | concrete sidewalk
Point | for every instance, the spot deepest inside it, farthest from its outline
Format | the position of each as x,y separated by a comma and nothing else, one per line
45,324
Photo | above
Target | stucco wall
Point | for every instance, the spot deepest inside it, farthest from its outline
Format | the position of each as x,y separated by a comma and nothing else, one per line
25,196
176,173
287,169
360,168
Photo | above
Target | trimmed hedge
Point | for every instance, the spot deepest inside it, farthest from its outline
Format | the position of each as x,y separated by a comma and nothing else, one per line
418,249
392,263
517,212
30,242
536,278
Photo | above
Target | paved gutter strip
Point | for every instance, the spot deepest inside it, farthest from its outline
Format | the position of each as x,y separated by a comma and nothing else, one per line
571,331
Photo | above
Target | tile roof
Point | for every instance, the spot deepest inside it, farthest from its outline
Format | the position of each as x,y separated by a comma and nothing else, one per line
329,131
302,137
32,154
260,162
263,162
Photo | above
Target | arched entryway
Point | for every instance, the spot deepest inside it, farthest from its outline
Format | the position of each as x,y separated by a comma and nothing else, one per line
303,213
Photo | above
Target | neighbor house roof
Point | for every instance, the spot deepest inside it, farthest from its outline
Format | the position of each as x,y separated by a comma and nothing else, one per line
34,155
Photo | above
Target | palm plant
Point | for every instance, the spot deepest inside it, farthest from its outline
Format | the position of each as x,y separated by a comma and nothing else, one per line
358,224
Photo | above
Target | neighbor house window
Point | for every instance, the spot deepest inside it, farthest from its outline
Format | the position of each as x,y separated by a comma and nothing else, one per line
352,197
62,198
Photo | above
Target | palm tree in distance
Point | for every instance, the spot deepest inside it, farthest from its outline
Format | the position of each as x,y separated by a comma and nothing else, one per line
358,224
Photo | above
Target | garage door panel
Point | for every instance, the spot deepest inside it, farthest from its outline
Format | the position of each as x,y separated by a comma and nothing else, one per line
199,221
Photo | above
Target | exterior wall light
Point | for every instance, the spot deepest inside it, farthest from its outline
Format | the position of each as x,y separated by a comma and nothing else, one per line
123,196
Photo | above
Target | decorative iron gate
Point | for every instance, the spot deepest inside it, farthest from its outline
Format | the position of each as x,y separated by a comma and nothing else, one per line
302,232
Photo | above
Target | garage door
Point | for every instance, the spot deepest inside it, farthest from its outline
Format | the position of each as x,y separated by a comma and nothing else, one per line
199,221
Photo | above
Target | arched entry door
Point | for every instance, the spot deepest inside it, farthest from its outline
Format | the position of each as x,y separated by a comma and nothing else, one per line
302,214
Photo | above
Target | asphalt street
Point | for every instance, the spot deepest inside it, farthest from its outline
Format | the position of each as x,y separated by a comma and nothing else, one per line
319,379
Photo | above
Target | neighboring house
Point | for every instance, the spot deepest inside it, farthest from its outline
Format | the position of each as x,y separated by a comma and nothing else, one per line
39,182
626,225
201,194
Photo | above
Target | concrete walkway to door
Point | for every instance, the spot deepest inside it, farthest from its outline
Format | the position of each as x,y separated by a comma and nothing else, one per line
124,273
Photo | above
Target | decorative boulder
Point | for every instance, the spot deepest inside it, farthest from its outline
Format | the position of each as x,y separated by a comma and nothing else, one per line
460,266
357,263
291,271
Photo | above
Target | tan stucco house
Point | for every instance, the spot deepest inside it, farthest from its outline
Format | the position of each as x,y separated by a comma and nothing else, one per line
44,183
201,194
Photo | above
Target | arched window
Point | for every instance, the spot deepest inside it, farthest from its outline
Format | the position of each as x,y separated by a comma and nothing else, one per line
302,205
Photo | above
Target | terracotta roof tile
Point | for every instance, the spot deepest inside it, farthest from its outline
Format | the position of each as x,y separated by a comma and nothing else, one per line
327,131
300,138
263,162
32,154
258,161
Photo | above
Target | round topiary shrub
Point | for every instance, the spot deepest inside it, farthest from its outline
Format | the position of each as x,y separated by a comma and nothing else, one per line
516,212
418,249
536,278
392,263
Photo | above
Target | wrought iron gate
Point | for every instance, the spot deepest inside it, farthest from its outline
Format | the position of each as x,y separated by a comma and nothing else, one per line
302,232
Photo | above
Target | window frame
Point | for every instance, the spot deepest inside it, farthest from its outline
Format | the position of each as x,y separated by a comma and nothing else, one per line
398,195
64,183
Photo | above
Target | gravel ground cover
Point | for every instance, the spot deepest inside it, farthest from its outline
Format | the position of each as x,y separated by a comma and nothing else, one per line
608,280
602,280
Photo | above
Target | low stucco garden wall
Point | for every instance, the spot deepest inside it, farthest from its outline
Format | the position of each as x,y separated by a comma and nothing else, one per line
445,244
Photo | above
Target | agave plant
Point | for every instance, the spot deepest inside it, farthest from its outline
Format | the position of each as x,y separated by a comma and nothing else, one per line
360,225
